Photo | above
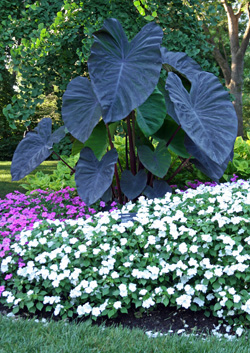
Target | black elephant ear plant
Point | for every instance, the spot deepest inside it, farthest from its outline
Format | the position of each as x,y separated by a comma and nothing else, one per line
190,114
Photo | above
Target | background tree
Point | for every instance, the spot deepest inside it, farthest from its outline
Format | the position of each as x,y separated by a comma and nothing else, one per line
230,48
52,41
227,26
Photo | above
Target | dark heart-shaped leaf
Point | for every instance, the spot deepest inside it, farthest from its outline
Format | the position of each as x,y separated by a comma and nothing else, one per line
81,110
157,161
124,74
159,189
204,163
133,185
34,149
206,114
94,177
107,196
151,114
98,141
181,62
168,128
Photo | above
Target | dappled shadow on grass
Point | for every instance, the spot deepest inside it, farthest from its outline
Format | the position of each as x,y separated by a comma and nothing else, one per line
7,186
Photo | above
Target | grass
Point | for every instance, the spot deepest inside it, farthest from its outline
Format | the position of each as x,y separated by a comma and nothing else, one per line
25,336
8,186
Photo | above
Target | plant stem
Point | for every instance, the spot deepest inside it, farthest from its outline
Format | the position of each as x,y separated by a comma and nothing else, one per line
118,185
112,145
126,150
116,171
181,166
131,147
172,137
60,159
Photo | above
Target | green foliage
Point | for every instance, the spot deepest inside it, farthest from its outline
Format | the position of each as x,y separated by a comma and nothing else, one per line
48,42
59,179
240,164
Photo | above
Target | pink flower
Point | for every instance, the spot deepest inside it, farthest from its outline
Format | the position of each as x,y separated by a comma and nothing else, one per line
2,288
8,276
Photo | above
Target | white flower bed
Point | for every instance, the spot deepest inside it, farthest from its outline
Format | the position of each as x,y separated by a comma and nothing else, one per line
188,250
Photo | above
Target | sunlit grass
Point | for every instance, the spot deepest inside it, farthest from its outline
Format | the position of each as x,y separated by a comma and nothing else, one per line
8,186
25,336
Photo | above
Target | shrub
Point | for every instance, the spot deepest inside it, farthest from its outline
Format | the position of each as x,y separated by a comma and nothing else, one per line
60,178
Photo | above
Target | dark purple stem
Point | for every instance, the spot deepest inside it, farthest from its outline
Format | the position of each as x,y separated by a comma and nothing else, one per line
72,170
181,166
172,137
131,148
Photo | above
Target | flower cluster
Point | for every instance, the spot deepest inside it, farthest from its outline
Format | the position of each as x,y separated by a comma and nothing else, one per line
188,250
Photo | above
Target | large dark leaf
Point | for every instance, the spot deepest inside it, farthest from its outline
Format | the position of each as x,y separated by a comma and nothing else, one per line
34,149
168,128
124,74
159,189
81,110
181,62
204,163
94,177
151,114
206,114
133,185
157,161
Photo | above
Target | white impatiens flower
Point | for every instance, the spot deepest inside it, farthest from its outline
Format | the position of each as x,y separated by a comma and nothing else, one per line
143,292
194,249
84,309
82,248
183,248
114,275
123,290
132,287
123,241
198,301
139,230
148,303
96,251
43,240
237,298
96,311
184,301
239,331
170,290
117,305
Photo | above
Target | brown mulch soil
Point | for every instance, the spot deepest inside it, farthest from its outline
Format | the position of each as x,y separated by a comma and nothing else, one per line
160,319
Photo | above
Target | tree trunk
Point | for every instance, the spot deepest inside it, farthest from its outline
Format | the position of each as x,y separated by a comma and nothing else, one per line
235,86
233,73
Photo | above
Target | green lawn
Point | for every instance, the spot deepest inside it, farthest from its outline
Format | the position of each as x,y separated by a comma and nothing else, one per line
7,186
23,336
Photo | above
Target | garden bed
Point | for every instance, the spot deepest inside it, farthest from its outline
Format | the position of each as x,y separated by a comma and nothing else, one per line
184,257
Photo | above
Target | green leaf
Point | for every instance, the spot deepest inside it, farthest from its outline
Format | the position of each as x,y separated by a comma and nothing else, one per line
39,306
217,307
165,301
15,310
98,140
158,161
168,128
151,114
